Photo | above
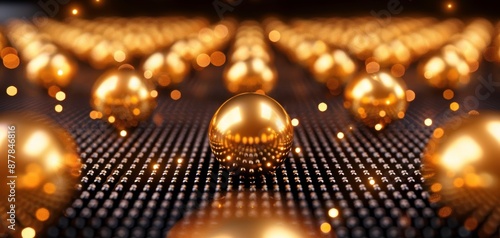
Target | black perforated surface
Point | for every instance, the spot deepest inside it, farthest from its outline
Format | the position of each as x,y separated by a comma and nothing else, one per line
142,184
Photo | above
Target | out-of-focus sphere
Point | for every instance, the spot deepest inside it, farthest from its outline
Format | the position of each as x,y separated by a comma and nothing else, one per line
47,169
239,214
165,68
376,99
336,64
242,53
447,71
249,76
51,69
461,164
125,96
251,133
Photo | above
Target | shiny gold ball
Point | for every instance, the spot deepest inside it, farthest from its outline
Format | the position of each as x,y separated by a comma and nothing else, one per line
165,68
447,70
376,99
239,214
250,133
462,170
51,69
42,160
123,97
249,76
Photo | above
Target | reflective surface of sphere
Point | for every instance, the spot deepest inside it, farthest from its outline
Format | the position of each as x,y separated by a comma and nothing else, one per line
249,76
165,68
448,70
242,215
123,97
51,69
43,161
376,99
462,169
251,133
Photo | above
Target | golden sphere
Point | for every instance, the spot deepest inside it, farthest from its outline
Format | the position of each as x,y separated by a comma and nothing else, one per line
123,97
51,69
249,76
251,133
336,64
462,170
376,99
448,70
43,161
165,68
239,214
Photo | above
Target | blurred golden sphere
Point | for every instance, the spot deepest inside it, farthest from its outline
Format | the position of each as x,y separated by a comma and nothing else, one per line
51,69
336,64
46,166
376,99
165,68
448,70
462,170
123,97
239,214
249,76
241,53
251,133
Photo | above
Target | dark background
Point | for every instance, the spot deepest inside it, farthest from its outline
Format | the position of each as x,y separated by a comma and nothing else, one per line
260,8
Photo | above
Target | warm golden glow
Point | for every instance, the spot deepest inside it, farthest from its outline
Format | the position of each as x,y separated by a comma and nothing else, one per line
322,107
60,96
42,214
28,232
333,212
217,58
119,56
438,132
454,106
11,91
74,11
203,60
325,227
175,95
274,36
58,108
251,132
279,232
11,61
448,94
340,135
124,95
295,122
47,170
377,99
51,69
428,122
123,133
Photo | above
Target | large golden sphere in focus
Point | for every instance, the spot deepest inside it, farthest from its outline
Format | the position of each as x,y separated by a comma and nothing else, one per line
376,99
165,68
51,69
43,161
242,215
123,97
250,133
448,70
249,76
462,168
